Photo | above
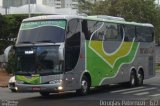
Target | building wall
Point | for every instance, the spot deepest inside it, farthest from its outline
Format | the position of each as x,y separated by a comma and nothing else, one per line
54,3
61,3
0,3
16,3
71,4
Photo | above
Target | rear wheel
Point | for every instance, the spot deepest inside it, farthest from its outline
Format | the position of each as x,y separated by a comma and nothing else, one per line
133,79
140,79
45,94
85,86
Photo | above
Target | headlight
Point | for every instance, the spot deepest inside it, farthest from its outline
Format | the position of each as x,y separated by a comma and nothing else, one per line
55,81
60,88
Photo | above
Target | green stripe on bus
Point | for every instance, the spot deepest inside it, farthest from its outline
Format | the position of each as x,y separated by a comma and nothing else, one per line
100,69
36,24
28,79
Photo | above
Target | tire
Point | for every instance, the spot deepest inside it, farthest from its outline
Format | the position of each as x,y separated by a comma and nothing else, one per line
133,79
85,86
140,79
45,94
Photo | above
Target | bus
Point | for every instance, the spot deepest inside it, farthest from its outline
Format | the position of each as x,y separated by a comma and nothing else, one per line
58,53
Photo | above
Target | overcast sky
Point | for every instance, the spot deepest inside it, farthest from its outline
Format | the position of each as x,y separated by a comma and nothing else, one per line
40,2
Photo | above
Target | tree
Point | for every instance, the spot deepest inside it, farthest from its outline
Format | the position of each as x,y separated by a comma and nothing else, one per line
9,26
85,6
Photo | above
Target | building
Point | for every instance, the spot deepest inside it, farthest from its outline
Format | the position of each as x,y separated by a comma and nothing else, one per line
15,3
39,2
54,3
94,1
71,4
0,3
61,3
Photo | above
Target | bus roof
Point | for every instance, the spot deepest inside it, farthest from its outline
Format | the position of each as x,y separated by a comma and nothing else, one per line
104,18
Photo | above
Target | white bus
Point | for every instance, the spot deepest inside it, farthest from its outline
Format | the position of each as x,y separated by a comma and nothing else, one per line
58,53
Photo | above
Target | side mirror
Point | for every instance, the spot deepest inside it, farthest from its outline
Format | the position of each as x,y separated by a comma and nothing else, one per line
13,47
68,30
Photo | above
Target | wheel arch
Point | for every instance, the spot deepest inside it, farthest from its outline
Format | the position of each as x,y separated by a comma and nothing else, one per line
132,69
87,74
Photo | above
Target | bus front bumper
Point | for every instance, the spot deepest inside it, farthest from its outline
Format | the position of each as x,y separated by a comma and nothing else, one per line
40,88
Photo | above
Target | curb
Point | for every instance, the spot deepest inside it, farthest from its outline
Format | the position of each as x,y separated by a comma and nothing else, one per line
3,85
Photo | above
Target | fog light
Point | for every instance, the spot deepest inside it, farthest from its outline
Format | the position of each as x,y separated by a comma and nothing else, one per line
60,88
16,88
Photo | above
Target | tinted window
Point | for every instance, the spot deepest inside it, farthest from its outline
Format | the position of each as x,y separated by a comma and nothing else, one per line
113,32
42,31
85,29
95,30
43,59
129,32
144,34
101,30
72,47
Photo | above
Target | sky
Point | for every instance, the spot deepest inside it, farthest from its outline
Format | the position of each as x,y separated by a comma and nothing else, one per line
40,2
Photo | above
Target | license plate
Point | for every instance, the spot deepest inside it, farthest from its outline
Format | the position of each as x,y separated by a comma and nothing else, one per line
36,88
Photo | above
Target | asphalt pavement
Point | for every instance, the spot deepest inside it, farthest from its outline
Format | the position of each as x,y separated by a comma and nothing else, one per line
114,95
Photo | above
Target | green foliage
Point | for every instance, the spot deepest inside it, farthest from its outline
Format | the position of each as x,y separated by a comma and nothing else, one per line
143,11
11,65
4,44
9,26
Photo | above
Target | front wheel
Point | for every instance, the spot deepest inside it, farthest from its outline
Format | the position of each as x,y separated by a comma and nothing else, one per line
85,86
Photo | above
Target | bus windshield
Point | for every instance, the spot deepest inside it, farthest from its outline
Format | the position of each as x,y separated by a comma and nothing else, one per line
39,31
38,59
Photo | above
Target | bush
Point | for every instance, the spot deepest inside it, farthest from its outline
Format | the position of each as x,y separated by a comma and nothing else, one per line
4,44
11,65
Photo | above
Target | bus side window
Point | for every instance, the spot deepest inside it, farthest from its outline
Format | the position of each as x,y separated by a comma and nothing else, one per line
144,34
129,32
72,44
113,32
85,29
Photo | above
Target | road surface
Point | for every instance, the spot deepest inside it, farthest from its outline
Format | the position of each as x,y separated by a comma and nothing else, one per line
114,95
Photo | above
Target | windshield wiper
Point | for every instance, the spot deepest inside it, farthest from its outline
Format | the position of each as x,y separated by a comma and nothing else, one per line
26,42
45,41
